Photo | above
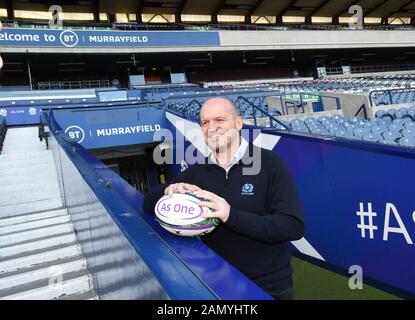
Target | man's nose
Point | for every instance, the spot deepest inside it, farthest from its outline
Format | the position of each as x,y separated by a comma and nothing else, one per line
212,127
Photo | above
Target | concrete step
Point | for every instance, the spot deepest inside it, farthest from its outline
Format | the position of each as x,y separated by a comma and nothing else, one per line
30,207
27,169
60,267
12,147
19,263
26,176
28,187
32,217
23,197
34,234
21,163
38,244
25,155
34,225
73,283
89,295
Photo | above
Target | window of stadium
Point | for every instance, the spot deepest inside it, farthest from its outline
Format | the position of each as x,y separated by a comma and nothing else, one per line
293,19
263,19
196,18
400,20
228,18
103,17
121,17
45,15
321,20
373,20
157,18
3,12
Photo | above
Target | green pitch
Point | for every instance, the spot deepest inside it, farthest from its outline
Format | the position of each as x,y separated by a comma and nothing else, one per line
315,283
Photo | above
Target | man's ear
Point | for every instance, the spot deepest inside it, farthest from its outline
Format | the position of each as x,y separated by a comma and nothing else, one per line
239,122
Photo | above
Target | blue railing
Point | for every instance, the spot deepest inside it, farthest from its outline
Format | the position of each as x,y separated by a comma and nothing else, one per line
3,129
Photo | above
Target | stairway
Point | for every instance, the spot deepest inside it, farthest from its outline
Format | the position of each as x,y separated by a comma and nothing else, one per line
40,257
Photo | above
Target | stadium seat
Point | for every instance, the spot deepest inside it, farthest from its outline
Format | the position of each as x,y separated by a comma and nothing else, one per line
373,137
408,125
379,129
389,141
410,132
361,132
391,135
343,133
395,127
407,142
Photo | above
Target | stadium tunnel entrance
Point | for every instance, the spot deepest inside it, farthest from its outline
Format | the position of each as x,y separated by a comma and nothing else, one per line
135,165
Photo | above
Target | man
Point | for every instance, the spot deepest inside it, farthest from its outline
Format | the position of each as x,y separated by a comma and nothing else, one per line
259,213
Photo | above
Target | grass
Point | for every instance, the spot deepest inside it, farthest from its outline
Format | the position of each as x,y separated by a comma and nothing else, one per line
312,282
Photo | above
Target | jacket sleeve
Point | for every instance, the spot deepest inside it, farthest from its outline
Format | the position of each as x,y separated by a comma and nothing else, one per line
156,192
284,222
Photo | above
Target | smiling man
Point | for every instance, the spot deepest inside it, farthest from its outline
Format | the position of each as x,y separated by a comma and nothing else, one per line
260,213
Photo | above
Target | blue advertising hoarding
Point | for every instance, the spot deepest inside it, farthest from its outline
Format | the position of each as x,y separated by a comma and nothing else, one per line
113,126
59,38
358,200
21,115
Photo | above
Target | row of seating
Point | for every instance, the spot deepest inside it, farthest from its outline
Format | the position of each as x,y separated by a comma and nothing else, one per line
383,130
3,129
396,113
387,90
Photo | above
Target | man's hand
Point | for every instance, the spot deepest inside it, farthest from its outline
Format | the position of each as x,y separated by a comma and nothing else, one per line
219,206
181,188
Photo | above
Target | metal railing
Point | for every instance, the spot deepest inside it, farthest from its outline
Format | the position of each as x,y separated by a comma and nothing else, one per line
83,84
372,68
91,25
388,93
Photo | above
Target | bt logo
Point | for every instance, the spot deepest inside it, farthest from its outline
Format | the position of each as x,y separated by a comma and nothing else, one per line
69,38
75,133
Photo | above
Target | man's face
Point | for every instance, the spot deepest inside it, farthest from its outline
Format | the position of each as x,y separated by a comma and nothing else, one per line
220,124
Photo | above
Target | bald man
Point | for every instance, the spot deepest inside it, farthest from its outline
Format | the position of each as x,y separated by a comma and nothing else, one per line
260,213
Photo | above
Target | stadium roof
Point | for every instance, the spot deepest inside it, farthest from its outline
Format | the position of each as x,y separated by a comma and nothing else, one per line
296,8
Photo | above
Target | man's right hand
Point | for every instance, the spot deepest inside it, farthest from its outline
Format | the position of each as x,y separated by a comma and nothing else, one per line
180,188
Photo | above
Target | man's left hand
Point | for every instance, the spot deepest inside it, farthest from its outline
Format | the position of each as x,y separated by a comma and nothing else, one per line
220,208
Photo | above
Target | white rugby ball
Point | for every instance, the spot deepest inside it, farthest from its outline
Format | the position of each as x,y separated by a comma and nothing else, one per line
181,215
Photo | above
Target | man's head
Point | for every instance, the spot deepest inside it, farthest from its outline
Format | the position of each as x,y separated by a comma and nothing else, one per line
221,124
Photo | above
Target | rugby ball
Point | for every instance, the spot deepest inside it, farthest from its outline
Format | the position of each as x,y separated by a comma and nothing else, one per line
181,215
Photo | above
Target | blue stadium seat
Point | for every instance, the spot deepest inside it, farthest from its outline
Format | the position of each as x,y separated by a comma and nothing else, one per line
407,142
391,135
388,141
361,132
409,125
395,127
379,129
373,137
343,133
392,113
410,132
